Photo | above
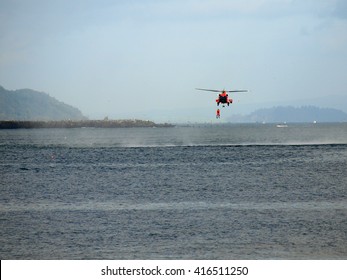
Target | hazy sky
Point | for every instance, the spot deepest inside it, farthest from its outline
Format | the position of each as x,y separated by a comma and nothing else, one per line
135,57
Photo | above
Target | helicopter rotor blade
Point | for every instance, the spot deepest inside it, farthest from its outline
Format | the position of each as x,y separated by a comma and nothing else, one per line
238,90
213,90
216,90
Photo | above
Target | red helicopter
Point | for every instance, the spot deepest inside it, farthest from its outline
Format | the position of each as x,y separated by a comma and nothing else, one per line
223,96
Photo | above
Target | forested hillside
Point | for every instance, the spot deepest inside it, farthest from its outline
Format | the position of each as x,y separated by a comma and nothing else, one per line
31,105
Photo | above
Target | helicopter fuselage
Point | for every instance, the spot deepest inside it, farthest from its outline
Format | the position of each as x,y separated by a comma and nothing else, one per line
224,99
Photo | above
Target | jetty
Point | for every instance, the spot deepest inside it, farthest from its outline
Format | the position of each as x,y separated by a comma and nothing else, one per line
79,124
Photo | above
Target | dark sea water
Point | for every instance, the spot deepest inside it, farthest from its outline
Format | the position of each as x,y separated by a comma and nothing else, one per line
201,192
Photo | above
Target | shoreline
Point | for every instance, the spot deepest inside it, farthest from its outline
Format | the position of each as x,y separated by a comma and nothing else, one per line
80,124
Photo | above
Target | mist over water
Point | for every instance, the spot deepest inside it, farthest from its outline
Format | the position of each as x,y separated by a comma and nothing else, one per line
200,192
194,135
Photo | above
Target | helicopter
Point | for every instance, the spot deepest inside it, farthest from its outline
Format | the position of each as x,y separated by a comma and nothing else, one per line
223,96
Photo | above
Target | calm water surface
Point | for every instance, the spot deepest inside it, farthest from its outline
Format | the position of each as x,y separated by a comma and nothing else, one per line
202,192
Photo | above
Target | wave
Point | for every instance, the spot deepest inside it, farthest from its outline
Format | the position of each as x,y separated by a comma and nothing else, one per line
175,206
169,145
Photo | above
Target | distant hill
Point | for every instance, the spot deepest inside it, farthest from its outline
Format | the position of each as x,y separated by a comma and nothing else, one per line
31,105
292,114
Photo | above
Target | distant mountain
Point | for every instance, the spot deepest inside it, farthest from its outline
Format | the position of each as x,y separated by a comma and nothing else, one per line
292,114
31,105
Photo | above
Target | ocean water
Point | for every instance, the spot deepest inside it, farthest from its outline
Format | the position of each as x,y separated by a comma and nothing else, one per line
188,192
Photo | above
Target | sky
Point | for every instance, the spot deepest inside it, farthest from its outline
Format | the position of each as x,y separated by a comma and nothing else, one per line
144,59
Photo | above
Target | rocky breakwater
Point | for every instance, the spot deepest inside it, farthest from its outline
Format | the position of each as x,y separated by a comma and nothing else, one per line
79,124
